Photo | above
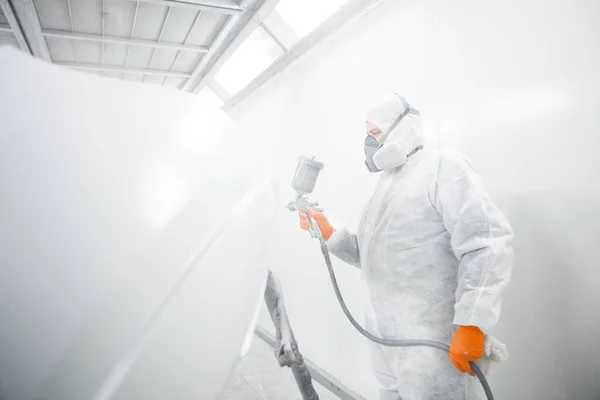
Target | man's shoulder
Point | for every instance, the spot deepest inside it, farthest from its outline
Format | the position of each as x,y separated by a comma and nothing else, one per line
454,159
449,162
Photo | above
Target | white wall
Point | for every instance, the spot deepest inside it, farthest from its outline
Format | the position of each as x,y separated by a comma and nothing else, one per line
513,85
109,243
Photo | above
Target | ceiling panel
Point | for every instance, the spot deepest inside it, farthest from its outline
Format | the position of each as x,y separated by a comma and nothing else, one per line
186,61
118,20
178,25
61,49
115,54
89,52
139,56
208,26
8,39
150,20
53,14
87,15
163,58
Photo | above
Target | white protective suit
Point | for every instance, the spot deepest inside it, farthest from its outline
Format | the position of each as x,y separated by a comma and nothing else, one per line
434,253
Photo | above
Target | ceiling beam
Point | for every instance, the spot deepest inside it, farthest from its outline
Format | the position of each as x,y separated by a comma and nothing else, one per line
7,10
237,28
119,69
90,37
5,28
29,23
207,5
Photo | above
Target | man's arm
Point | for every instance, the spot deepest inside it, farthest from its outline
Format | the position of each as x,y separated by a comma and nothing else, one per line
481,240
344,245
341,243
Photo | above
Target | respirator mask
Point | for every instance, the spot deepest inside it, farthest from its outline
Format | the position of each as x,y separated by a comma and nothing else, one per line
382,155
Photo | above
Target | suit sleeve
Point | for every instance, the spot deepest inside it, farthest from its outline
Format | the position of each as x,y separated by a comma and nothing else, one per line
344,245
481,241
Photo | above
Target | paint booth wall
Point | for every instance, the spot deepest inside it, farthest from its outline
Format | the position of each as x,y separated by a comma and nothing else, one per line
514,86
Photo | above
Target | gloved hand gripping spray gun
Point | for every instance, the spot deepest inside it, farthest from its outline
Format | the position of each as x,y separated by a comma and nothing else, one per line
303,183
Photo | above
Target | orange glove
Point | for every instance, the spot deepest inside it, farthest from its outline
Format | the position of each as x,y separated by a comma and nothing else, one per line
324,225
468,345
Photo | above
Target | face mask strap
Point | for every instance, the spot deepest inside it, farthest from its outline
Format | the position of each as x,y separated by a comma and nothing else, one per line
407,110
414,151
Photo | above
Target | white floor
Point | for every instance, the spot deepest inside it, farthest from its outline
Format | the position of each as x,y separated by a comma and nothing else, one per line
260,377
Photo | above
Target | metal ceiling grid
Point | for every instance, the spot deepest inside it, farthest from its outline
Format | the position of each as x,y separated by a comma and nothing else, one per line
165,42
176,43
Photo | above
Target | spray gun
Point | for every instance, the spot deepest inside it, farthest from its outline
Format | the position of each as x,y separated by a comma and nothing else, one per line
303,183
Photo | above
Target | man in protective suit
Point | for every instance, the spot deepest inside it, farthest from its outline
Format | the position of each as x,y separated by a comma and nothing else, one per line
435,255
